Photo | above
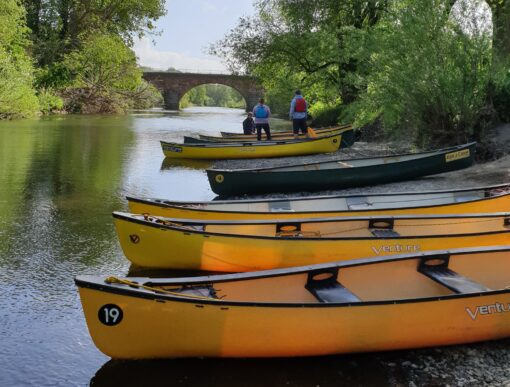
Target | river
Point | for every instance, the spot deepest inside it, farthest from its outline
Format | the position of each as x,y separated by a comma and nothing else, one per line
60,179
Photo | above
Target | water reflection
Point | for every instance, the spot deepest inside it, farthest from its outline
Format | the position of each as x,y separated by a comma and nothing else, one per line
169,163
60,180
357,370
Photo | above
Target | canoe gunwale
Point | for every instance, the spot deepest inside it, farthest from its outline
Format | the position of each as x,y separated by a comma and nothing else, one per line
318,220
162,203
312,197
223,303
83,281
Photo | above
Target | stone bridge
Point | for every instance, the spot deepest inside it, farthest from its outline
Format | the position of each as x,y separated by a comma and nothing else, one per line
174,85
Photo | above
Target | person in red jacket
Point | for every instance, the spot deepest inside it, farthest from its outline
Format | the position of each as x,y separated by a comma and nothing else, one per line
298,113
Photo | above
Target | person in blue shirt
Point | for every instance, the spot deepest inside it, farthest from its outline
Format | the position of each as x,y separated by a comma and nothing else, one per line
262,113
298,113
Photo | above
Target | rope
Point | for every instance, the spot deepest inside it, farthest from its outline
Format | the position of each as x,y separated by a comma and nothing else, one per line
112,280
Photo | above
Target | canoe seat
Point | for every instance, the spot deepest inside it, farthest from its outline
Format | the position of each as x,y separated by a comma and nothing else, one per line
197,290
437,269
384,233
357,202
324,286
280,206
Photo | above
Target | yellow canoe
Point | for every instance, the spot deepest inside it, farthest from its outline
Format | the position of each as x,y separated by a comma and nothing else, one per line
256,149
238,246
320,132
240,136
391,303
495,198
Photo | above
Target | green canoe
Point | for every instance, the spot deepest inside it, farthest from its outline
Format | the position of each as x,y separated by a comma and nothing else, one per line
340,174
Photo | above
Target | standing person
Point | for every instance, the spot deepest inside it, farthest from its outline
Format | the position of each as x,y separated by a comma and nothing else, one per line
249,124
298,113
262,113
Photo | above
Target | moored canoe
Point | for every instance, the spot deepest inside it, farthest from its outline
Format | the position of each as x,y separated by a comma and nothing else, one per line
348,137
397,302
494,198
340,174
284,133
237,246
258,149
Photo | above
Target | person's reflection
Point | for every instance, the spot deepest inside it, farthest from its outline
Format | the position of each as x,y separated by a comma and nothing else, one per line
352,370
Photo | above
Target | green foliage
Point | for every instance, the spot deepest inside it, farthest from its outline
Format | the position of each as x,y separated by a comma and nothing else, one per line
105,74
318,46
146,96
213,95
60,26
429,79
49,102
17,97
500,82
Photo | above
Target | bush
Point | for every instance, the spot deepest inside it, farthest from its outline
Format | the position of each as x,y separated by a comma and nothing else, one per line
324,114
49,102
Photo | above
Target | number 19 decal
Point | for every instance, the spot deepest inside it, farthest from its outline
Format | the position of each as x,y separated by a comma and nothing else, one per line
110,314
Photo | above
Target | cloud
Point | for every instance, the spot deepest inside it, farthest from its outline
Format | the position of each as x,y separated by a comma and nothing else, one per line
207,6
150,56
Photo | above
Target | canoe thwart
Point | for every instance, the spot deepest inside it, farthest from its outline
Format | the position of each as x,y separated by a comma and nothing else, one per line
324,286
437,269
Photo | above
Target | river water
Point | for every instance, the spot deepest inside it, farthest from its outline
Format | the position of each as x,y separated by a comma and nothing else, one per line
60,179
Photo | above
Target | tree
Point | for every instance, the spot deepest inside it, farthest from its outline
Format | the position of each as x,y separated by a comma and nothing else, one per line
430,78
105,75
17,96
59,26
320,44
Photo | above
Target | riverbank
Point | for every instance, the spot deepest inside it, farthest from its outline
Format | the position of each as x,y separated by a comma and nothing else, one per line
481,364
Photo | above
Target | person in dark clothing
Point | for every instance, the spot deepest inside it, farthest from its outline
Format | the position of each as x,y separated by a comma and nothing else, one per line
249,124
262,113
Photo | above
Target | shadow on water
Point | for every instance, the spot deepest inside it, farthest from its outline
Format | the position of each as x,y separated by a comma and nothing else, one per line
137,271
352,370
169,163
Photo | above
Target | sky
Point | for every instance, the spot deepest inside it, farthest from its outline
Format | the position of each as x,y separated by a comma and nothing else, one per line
186,32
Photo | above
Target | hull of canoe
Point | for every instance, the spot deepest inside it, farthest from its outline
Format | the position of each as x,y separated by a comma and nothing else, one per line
271,315
257,150
244,249
311,178
181,329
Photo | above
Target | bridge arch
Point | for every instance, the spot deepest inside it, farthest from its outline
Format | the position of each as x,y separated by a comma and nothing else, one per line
173,86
